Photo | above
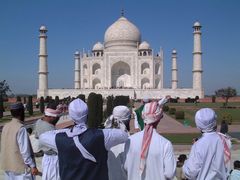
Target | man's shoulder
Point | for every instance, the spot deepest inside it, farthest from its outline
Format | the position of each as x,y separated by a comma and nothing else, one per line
136,135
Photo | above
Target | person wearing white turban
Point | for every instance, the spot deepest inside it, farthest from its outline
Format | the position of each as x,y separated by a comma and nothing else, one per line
207,157
120,119
149,155
82,151
50,167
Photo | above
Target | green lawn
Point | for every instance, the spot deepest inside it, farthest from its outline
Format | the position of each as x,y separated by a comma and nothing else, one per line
181,138
229,114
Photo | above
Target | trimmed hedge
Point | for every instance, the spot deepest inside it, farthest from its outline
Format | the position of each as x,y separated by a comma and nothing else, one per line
82,97
172,111
165,108
42,105
110,105
1,106
95,103
30,106
179,115
121,100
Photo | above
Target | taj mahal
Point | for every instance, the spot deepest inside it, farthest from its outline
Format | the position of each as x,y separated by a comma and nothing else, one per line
123,65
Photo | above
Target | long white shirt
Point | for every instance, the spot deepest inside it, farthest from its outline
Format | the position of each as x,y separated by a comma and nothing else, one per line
50,165
26,152
115,162
206,159
112,137
160,161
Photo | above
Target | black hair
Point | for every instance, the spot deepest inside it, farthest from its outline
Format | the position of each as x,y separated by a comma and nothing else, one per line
236,164
18,113
182,157
29,130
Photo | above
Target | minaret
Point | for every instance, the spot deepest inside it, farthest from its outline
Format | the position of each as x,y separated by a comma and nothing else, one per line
197,57
77,70
174,69
43,68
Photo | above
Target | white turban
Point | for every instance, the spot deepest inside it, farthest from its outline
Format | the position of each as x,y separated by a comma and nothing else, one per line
205,120
78,111
146,99
52,112
119,115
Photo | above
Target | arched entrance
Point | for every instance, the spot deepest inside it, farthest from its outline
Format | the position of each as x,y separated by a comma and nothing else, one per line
120,75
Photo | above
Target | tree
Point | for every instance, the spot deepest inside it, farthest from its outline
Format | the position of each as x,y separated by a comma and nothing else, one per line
99,110
226,93
92,110
42,106
4,88
82,97
30,106
57,101
1,106
19,99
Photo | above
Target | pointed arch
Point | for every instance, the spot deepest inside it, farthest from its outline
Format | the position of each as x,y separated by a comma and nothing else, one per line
96,68
145,68
96,83
120,75
145,83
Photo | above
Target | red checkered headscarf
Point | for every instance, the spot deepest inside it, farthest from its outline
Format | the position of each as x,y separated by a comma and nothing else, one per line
151,114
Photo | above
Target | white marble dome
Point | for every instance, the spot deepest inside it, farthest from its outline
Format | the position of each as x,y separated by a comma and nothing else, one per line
43,28
197,24
174,51
122,33
98,47
144,45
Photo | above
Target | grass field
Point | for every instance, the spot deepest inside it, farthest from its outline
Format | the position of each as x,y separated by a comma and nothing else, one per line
181,138
231,115
9,117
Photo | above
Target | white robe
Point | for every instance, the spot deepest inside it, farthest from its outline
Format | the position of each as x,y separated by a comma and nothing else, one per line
50,167
115,162
206,159
160,161
24,147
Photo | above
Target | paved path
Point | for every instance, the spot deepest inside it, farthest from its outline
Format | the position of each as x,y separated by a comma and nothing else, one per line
170,125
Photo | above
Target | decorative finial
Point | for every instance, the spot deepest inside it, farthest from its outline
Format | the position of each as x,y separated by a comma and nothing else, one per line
122,12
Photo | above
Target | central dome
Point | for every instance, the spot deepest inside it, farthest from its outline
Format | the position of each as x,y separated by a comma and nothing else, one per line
122,34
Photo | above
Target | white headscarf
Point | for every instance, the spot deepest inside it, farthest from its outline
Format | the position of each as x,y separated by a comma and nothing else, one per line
205,120
52,112
78,111
119,115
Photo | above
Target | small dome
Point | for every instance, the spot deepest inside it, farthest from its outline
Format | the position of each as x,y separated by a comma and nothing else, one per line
77,53
196,24
98,47
144,45
122,33
43,28
174,51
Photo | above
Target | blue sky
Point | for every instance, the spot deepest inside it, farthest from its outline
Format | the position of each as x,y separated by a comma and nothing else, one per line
73,25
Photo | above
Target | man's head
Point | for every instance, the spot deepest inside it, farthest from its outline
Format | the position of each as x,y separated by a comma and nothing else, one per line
78,111
52,114
236,165
17,111
206,120
182,157
123,114
145,100
151,113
